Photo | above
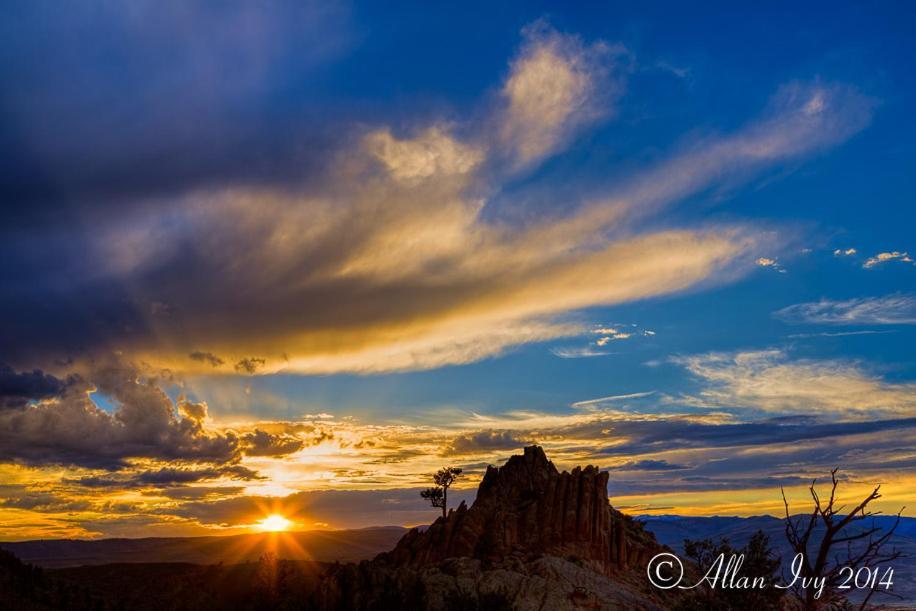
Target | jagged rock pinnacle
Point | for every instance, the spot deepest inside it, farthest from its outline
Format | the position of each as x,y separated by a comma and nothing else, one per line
529,507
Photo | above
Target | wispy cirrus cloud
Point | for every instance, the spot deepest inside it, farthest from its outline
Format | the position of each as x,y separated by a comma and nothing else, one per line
611,400
580,352
605,336
556,86
388,263
895,309
769,380
837,334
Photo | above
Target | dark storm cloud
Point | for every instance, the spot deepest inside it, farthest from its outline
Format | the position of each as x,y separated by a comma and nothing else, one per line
735,456
73,430
167,476
116,108
740,481
117,100
262,443
643,436
22,497
17,389
484,441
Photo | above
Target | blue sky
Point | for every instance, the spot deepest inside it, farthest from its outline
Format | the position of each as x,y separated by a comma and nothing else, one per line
254,239
695,72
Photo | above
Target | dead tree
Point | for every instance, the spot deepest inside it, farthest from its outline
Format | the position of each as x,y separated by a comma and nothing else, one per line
846,542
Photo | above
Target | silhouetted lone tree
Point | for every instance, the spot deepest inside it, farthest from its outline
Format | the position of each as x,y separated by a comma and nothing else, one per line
861,545
438,496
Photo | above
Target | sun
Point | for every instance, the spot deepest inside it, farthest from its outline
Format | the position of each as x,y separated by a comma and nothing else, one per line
274,523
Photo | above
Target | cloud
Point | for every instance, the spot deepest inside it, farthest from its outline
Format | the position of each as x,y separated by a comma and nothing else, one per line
604,401
885,257
769,380
837,334
250,365
433,154
847,252
597,347
685,454
384,466
553,90
771,263
396,259
167,476
22,497
617,335
895,309
578,353
18,389
71,429
742,455
186,476
206,357
262,443
484,441
648,465
200,78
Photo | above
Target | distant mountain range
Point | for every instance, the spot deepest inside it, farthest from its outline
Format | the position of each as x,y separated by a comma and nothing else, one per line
318,545
360,544
672,530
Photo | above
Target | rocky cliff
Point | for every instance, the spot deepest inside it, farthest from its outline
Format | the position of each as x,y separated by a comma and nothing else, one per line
528,506
534,538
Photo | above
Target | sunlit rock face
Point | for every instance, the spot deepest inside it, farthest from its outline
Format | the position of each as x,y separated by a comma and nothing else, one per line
528,506
534,538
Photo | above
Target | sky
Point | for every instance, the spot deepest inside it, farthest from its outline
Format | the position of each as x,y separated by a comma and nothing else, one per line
293,257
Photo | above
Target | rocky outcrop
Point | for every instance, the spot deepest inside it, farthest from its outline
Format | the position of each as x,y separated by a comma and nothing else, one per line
534,538
527,506
546,583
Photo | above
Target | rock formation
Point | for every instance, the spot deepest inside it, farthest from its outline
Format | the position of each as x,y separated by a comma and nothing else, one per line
528,506
534,538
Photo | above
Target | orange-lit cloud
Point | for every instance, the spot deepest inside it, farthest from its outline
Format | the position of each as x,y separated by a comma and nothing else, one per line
769,380
348,473
399,258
